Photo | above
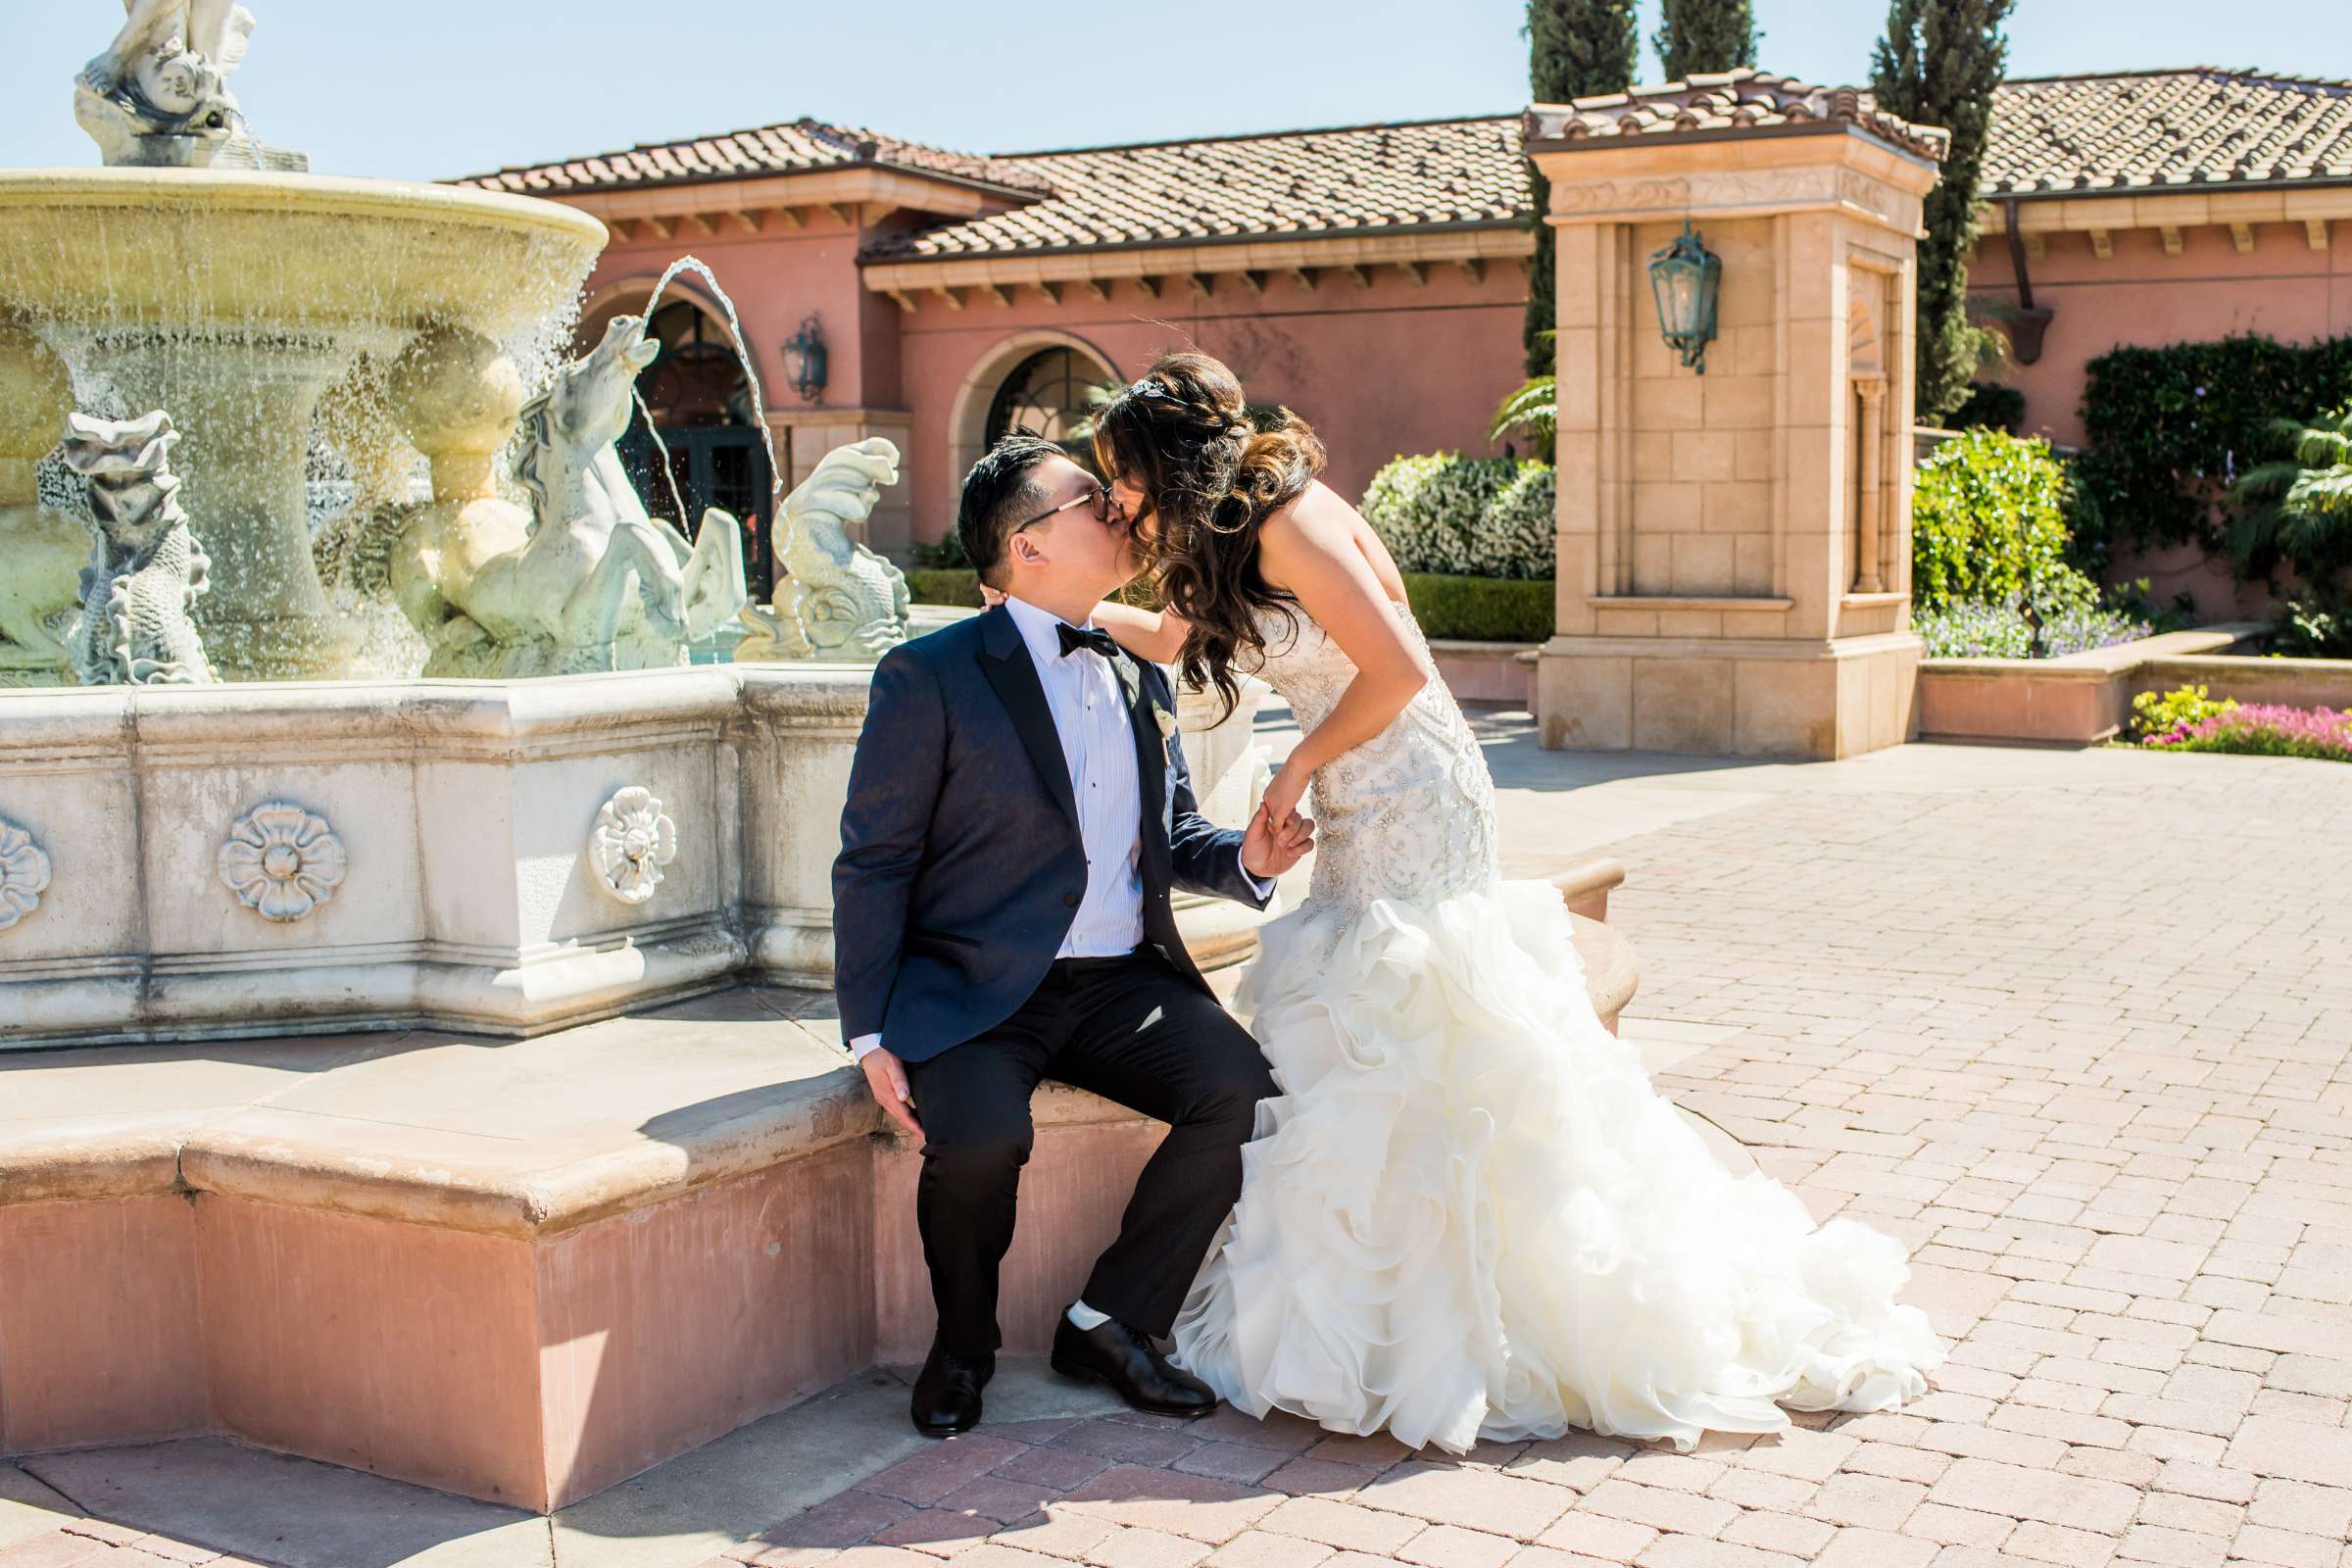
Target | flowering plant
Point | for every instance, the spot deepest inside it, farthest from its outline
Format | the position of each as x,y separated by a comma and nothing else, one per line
2262,729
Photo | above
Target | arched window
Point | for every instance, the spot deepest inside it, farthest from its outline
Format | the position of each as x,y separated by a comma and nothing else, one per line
1048,393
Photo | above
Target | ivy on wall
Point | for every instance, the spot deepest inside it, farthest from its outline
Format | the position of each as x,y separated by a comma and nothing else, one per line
2169,428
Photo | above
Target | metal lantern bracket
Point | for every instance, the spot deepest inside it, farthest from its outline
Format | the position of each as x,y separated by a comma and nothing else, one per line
1685,279
805,360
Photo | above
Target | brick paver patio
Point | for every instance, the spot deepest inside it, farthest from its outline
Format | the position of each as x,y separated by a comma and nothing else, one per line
2083,1045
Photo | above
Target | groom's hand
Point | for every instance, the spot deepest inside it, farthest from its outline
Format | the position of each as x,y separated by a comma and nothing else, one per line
886,1076
1268,850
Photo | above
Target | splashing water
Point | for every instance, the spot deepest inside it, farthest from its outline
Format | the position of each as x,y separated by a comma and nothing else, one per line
751,376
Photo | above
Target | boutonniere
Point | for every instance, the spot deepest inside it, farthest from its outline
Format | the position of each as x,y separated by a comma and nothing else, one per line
1166,721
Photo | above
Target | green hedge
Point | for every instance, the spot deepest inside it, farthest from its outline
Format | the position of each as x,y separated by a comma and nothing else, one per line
1481,609
2169,427
944,585
1493,610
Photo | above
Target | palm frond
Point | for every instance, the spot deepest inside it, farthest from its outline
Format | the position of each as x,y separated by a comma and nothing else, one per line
1534,407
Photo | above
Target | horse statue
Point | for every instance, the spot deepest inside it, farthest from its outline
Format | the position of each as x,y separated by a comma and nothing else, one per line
841,601
585,579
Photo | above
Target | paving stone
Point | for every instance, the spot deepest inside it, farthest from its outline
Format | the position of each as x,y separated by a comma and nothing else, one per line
1125,1443
1263,1548
2173,1548
1056,1533
1873,1501
1598,1535
2290,1549
1476,1499
2298,1506
1452,1546
1780,1532
2056,1544
1171,1501
1232,1461
1319,1477
1059,1469
930,1475
2296,1451
1659,1509
52,1549
1692,1551
1958,1527
1856,1547
2043,1494
1145,1548
1341,1525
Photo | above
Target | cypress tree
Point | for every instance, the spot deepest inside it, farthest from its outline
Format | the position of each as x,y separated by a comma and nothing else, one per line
1576,48
1937,66
1695,36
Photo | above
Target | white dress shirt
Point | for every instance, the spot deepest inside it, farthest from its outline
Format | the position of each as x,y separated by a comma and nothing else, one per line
1097,745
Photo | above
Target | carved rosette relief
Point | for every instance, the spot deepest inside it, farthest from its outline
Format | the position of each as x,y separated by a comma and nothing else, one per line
282,862
23,874
632,840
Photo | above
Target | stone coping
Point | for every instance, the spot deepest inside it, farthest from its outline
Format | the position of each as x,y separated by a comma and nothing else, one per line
495,717
2103,663
516,1137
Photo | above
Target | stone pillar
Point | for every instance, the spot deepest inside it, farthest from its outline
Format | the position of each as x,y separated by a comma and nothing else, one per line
1734,542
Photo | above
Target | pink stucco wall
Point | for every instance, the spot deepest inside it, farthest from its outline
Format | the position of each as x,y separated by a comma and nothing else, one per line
1393,368
2141,296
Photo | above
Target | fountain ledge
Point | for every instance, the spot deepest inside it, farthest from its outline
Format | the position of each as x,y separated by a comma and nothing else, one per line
461,889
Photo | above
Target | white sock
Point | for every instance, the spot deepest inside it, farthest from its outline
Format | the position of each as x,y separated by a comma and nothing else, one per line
1086,1317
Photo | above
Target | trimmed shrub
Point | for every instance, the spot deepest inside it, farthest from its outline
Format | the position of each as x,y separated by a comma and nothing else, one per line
1988,518
1990,406
944,585
1483,609
1468,517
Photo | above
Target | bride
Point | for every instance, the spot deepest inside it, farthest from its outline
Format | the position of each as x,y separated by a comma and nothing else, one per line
1468,1215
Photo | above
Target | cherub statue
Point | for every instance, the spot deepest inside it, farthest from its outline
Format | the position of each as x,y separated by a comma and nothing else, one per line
159,95
841,601
146,568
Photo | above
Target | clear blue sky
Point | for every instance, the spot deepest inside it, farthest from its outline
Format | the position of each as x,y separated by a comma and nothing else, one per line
431,88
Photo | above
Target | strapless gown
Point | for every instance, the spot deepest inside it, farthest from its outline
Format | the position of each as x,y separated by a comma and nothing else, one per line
1468,1215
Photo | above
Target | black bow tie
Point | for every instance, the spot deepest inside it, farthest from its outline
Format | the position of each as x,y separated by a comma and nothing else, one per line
1072,639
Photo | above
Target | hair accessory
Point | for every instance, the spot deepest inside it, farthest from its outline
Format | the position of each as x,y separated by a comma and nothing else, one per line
1149,388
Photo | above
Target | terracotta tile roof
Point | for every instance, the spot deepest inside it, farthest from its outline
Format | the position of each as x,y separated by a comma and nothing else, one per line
787,149
2166,130
1439,173
2161,129
1732,100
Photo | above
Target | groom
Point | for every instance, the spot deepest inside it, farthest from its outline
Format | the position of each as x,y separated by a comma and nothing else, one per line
1018,814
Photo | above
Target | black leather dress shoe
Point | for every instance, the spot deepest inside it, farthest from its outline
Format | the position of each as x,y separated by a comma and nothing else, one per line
946,1393
1126,1358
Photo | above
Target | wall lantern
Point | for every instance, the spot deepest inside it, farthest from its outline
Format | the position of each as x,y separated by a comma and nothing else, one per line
805,360
1685,278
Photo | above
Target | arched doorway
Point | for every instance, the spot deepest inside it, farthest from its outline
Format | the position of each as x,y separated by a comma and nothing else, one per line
1041,379
1052,393
701,403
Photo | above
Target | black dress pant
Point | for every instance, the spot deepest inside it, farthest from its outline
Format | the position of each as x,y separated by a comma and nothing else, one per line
1134,1031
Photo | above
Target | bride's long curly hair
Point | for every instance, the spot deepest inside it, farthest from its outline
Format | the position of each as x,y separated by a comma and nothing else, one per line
1210,476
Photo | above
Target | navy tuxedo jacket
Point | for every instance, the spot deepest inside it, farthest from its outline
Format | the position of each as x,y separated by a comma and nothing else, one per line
960,867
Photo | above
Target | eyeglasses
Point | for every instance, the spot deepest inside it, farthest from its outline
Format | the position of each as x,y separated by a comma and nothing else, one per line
1096,496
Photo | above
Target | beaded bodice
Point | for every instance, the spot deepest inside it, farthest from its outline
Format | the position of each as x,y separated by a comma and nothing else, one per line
1408,814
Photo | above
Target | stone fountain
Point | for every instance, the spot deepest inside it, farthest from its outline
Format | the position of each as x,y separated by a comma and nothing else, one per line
199,274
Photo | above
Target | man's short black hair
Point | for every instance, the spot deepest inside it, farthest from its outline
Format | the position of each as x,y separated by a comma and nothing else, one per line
997,494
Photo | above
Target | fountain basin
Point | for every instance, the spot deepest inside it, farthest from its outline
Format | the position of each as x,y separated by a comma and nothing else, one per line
234,300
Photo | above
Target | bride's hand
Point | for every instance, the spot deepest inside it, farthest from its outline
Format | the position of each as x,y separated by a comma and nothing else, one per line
1283,794
989,598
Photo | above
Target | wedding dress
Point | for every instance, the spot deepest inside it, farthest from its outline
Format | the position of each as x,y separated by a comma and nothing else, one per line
1468,1215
